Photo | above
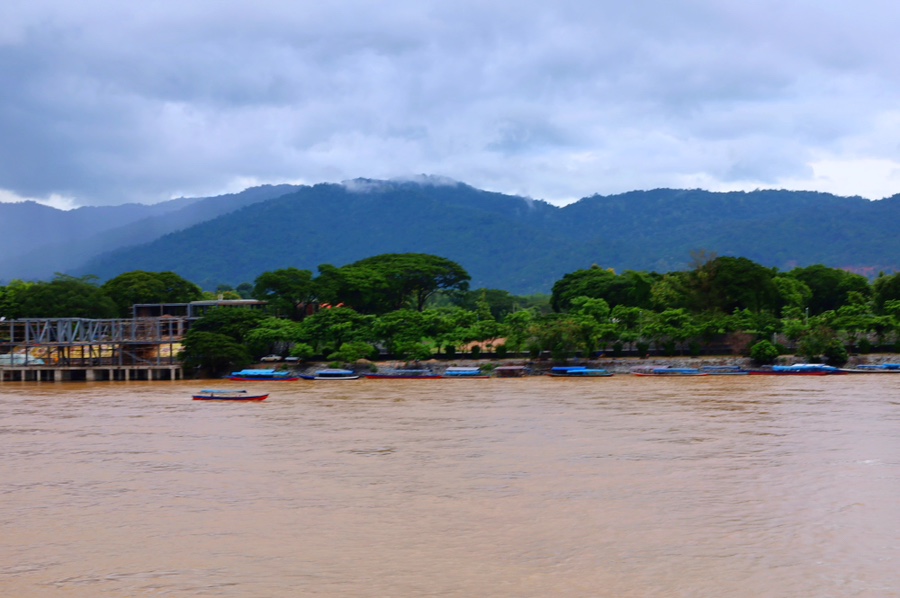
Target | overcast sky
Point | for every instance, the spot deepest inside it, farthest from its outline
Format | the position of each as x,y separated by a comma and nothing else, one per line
105,102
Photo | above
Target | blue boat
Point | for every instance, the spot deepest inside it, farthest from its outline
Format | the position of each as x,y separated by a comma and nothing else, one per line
266,375
667,371
578,371
724,370
404,375
800,369
464,372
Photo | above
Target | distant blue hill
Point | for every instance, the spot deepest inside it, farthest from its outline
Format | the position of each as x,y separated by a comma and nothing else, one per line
38,241
510,242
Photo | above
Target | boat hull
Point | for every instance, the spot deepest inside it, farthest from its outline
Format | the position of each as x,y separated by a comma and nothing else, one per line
672,375
606,375
229,397
263,379
402,377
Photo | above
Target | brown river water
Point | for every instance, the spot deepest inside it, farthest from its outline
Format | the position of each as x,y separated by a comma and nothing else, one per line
623,486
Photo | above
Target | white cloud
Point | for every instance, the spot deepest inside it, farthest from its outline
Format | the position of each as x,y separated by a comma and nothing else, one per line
108,102
53,200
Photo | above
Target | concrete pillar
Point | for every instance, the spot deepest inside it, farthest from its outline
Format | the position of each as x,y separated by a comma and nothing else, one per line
90,375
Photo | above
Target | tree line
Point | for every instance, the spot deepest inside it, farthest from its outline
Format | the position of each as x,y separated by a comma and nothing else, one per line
415,306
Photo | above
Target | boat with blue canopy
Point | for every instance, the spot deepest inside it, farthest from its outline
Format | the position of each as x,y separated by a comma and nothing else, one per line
263,375
800,369
464,372
404,374
578,371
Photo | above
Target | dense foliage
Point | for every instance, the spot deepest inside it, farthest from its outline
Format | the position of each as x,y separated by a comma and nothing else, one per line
415,306
149,287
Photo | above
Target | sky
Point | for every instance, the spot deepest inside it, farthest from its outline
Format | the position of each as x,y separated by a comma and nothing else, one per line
108,102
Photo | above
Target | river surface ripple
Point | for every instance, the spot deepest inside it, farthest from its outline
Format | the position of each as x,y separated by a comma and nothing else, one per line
623,486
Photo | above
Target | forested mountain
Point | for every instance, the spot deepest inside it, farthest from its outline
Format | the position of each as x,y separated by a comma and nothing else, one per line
514,243
38,241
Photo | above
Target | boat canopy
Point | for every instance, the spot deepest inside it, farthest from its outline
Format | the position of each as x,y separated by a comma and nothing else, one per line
804,367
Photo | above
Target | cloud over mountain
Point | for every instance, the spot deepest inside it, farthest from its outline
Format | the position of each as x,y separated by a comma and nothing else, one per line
108,102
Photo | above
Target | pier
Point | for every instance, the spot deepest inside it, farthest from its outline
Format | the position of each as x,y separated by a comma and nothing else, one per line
80,349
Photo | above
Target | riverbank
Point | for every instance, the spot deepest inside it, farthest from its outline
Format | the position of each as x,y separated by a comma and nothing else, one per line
616,365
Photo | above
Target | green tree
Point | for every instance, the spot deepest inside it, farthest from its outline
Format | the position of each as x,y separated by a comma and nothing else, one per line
245,290
287,290
273,335
830,286
886,288
63,297
629,288
328,329
353,351
403,326
233,322
499,302
738,283
520,330
764,353
792,292
561,335
212,353
392,281
138,286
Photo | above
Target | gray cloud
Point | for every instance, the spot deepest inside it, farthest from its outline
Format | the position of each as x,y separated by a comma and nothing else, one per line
106,102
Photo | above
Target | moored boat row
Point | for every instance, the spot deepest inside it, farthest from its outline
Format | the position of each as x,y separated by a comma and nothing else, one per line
571,371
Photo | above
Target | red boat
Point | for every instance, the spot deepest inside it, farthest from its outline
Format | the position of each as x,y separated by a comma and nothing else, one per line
228,395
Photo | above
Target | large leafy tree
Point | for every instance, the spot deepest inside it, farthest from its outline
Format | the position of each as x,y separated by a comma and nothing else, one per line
213,353
499,302
149,287
830,286
286,290
887,288
233,322
392,281
63,297
725,284
273,335
328,329
629,288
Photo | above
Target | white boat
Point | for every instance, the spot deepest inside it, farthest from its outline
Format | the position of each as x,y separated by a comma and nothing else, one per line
332,374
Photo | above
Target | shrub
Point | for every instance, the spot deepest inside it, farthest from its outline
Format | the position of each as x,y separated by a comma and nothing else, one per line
353,351
500,351
302,351
643,349
764,353
835,354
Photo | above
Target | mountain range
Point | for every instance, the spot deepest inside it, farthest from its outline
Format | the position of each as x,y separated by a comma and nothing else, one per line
507,242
